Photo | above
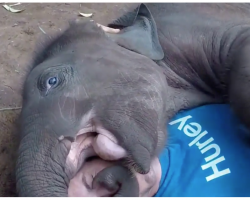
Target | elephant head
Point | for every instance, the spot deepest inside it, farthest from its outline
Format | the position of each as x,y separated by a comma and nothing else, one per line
85,84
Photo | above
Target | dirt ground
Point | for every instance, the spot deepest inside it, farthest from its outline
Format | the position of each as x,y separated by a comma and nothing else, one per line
19,33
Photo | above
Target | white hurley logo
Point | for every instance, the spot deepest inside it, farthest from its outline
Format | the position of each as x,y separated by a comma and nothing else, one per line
194,130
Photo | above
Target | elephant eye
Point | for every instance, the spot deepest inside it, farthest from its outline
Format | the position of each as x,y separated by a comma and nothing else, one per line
52,82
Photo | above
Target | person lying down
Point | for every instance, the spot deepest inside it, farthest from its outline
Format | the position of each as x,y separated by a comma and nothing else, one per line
206,156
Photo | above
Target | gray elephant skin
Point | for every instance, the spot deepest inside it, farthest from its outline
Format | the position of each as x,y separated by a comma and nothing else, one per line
124,87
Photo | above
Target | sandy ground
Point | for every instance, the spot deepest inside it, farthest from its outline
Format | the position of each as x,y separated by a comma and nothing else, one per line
19,33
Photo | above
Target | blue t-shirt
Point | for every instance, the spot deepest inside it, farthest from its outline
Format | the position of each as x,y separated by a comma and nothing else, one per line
206,156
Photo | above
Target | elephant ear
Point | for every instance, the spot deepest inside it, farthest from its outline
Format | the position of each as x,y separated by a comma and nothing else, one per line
138,33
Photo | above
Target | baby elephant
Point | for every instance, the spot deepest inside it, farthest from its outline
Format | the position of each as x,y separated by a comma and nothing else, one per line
83,83
91,93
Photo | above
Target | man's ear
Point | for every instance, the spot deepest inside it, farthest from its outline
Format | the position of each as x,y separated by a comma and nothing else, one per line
138,33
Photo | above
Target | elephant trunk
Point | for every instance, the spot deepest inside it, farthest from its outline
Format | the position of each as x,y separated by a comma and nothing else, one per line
40,164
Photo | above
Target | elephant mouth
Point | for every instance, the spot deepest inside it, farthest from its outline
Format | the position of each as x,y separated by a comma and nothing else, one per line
85,163
87,145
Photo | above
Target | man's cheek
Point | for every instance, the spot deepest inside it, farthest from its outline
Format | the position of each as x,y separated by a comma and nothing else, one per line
77,189
149,183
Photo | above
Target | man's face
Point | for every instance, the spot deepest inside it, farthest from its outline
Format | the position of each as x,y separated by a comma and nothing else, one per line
81,185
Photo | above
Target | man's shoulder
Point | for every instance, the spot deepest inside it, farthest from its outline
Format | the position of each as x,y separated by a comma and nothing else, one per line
203,147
